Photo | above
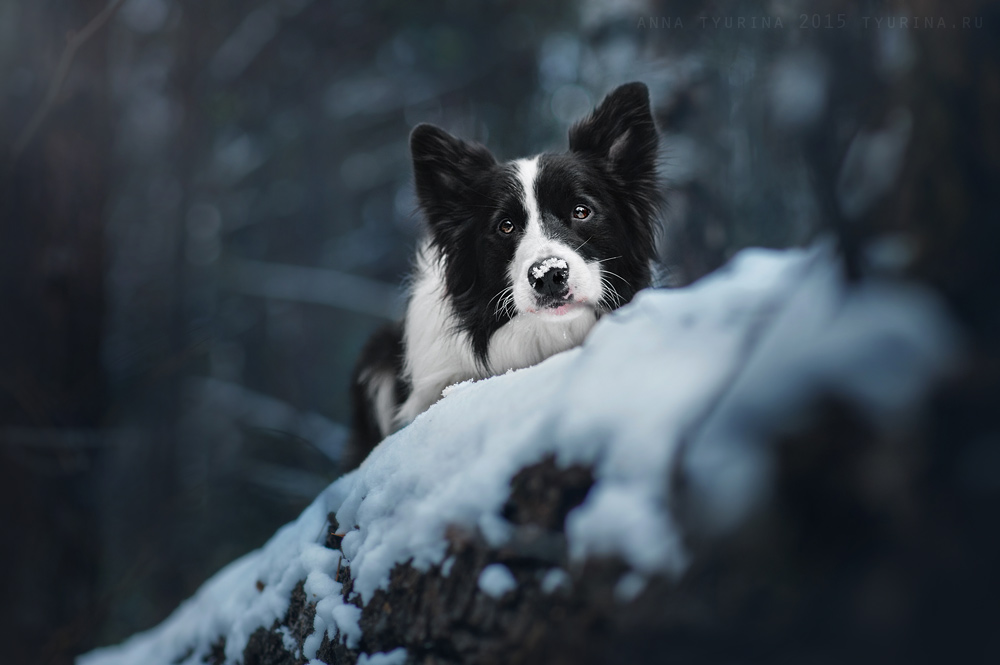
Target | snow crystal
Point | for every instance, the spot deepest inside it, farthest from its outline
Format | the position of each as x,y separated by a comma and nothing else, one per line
719,365
394,657
496,580
538,271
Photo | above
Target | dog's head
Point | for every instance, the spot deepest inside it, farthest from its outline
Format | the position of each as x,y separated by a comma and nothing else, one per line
551,236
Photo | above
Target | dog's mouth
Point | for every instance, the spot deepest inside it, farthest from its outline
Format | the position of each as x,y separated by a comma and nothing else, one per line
564,309
554,306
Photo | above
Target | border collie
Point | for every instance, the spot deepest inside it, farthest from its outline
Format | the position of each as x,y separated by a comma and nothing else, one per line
520,261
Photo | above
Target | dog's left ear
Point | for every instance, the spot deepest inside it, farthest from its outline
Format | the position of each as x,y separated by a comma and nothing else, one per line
620,131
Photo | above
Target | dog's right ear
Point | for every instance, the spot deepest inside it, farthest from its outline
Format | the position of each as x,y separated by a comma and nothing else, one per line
445,169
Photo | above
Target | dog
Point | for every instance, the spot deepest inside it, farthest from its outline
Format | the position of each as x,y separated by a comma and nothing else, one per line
520,260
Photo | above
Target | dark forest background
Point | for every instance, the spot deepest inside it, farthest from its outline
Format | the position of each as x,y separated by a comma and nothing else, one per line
204,218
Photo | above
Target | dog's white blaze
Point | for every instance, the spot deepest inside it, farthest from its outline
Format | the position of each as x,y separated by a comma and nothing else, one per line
534,246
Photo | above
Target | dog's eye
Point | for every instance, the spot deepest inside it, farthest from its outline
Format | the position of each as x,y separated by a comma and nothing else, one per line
581,212
506,226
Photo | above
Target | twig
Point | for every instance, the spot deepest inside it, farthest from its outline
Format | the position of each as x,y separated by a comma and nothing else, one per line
75,41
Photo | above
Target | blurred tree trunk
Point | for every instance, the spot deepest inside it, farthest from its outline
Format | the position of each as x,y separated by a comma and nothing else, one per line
52,387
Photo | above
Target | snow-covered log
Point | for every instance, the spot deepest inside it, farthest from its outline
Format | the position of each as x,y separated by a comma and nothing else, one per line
718,468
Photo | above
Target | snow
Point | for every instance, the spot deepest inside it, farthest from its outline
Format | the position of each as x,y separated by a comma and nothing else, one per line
538,271
496,580
456,386
719,365
875,345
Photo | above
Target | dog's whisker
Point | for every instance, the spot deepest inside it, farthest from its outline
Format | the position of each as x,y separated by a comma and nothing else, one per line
608,272
509,304
612,293
499,295
502,297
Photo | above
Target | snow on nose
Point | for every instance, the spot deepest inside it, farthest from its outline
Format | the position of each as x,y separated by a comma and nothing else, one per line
549,277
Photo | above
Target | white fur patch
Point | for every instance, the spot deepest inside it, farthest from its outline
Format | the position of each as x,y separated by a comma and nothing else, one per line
534,246
437,355
380,389
528,339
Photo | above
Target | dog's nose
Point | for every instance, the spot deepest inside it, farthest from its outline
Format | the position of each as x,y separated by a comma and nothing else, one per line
549,277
